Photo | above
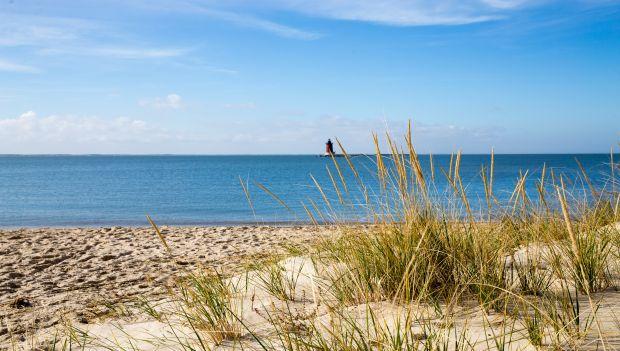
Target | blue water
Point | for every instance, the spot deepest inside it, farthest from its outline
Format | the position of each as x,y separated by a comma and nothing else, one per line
198,190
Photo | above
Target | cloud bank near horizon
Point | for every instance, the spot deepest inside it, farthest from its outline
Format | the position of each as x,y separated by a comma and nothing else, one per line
31,134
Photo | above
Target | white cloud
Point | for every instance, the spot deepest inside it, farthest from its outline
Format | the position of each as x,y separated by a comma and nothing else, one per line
171,101
406,12
9,66
29,128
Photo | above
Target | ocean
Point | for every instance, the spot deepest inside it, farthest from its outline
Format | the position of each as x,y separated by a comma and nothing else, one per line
102,190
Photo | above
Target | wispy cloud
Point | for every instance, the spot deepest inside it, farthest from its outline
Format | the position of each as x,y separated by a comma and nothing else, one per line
193,62
241,106
31,30
220,70
171,101
265,25
251,21
236,13
387,12
406,13
509,4
8,66
129,53
70,36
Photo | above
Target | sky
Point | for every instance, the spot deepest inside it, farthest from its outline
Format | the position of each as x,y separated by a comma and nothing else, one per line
282,76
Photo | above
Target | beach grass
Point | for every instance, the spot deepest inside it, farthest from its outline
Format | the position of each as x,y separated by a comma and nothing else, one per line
426,270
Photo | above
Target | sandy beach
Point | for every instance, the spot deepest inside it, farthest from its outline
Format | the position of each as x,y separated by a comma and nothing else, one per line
92,280
330,175
77,274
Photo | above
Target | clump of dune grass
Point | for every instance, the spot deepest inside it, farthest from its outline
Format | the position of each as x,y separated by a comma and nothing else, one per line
533,279
207,305
274,278
587,253
534,323
147,306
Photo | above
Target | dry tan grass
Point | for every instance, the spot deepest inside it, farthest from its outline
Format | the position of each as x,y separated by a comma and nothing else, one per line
424,274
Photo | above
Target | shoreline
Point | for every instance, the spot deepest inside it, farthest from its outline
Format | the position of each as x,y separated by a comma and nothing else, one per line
146,225
166,224
47,274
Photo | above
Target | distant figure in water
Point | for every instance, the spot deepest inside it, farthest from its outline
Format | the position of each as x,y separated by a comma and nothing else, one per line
329,147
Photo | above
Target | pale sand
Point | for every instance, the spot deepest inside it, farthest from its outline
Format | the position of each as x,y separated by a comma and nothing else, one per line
50,274
253,304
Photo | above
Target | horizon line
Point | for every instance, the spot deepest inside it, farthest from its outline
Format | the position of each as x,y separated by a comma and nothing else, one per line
300,154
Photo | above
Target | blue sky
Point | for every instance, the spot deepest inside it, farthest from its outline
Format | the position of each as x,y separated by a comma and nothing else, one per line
281,76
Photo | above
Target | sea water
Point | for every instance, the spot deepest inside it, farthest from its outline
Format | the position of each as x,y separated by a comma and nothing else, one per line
107,190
